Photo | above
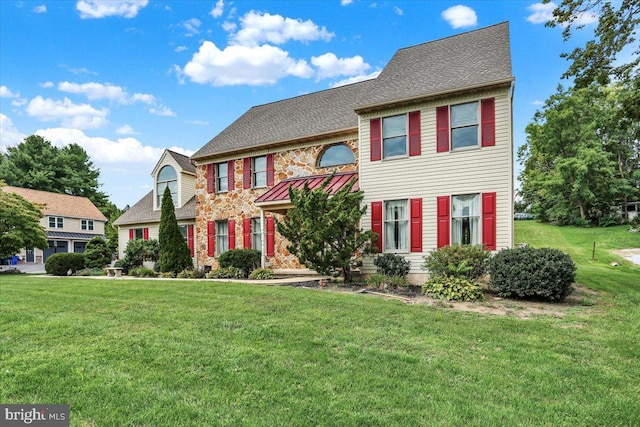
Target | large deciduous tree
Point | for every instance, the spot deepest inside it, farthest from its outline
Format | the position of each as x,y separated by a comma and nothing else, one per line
323,229
19,224
174,254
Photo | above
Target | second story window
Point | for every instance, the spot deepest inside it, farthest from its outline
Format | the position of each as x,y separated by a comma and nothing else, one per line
260,171
464,125
222,177
394,136
86,224
56,222
167,177
336,155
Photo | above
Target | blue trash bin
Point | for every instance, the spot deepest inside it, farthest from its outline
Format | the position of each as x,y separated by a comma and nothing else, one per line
14,260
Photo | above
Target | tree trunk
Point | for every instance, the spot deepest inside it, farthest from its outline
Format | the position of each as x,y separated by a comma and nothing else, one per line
582,213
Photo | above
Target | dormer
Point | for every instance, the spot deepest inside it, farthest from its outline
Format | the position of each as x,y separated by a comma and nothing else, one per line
173,170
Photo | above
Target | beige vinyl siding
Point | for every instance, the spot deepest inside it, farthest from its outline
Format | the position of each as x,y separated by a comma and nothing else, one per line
187,187
74,225
432,174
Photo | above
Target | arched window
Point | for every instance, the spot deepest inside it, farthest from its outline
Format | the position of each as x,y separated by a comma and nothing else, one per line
167,177
336,155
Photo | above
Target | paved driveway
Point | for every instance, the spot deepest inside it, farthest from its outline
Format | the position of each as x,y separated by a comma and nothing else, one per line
31,268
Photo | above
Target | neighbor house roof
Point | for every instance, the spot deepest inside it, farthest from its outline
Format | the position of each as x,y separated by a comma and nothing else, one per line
59,204
461,62
143,212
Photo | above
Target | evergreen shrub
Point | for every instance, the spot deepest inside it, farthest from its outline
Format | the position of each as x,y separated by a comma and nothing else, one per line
59,264
467,261
246,260
532,273
392,265
262,274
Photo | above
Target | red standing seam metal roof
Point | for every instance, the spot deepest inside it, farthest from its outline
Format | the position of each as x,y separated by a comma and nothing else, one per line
281,191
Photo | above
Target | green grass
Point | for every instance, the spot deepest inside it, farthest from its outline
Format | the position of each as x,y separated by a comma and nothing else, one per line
192,353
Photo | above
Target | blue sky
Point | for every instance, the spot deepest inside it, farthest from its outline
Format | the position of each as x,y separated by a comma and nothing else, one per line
126,79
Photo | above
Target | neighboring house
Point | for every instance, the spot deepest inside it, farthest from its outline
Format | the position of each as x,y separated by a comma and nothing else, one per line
69,221
142,220
429,141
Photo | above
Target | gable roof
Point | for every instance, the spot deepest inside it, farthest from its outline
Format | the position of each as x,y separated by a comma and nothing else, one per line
59,204
143,212
477,58
182,161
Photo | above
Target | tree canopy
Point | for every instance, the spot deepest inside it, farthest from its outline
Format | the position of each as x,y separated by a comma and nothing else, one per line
323,229
19,224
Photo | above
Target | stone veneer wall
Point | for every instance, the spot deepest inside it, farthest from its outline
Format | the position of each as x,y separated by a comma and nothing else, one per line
238,204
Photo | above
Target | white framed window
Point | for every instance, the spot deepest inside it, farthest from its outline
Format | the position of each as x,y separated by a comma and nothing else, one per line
396,226
86,224
222,237
222,177
256,234
464,125
167,177
56,222
335,155
394,136
259,178
465,219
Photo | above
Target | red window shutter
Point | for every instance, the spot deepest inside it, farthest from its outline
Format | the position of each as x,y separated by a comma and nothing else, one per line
246,172
145,233
444,219
416,225
376,222
489,221
132,234
211,238
488,119
231,174
211,178
246,233
270,169
270,236
190,238
231,227
414,133
375,140
442,129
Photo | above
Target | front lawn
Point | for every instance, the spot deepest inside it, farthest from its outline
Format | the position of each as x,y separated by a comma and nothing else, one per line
198,353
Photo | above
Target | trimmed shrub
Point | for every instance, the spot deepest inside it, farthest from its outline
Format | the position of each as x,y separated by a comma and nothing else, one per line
262,274
453,288
97,253
384,282
246,260
226,273
191,274
136,252
529,272
85,272
392,265
142,272
59,264
470,262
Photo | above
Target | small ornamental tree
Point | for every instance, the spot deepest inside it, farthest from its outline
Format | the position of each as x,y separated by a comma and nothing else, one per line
19,224
323,229
174,255
97,253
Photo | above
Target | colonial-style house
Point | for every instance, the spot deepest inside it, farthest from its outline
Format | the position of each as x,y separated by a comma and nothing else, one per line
142,220
429,142
69,221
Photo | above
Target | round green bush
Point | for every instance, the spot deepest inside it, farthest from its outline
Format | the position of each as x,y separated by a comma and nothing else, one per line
453,289
532,273
466,261
262,274
97,253
392,265
59,264
246,260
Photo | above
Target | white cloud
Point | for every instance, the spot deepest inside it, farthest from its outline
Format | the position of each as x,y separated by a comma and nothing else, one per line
192,26
329,65
104,8
257,28
229,26
345,2
126,130
356,79
198,122
180,49
541,13
218,9
460,16
47,85
538,102
237,65
99,91
81,116
40,9
398,11
9,134
6,93
162,111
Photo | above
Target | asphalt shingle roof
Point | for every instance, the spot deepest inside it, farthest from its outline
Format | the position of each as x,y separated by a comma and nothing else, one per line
467,60
183,161
59,204
142,212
